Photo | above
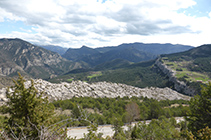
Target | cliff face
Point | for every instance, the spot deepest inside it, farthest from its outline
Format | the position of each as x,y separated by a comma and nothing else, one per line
18,55
179,86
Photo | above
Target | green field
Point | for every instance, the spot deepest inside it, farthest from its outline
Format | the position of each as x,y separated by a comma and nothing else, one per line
95,74
183,71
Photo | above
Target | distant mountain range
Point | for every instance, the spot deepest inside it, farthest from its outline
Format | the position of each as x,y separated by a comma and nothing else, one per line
58,49
189,69
133,52
116,63
17,55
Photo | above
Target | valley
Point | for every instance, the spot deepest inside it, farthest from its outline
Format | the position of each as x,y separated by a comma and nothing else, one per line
105,70
117,64
107,85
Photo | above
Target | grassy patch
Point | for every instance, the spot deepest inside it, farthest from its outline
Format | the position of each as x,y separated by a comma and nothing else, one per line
70,80
95,74
192,76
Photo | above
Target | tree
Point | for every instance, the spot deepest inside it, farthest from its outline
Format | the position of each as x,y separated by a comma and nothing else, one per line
76,111
155,110
161,129
28,110
200,110
133,112
204,134
144,112
92,135
118,130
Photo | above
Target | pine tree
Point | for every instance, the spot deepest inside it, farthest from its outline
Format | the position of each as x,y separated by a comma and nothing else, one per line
28,110
200,110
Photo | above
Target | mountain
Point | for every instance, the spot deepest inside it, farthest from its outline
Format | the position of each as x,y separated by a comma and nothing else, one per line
114,64
58,49
129,53
156,48
78,54
17,55
133,52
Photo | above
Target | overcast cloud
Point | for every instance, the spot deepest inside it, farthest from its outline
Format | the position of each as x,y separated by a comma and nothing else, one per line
73,23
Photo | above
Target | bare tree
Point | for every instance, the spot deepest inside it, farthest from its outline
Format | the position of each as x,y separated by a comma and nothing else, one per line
133,112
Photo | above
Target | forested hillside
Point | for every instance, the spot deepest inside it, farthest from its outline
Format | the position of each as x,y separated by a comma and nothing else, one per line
139,74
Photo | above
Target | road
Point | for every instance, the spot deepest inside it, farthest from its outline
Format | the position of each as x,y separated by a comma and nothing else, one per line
106,130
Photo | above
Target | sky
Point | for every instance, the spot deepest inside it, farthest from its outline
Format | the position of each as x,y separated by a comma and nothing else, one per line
98,23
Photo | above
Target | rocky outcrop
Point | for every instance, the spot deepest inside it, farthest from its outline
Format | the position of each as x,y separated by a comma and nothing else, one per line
100,89
179,86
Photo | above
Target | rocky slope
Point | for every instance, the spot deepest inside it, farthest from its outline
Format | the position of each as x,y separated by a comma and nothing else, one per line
17,55
99,89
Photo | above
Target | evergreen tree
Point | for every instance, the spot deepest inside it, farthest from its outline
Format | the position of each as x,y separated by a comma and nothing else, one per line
76,111
155,110
118,130
28,110
200,110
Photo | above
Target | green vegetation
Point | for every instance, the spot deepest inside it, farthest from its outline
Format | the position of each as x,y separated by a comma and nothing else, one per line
185,72
191,66
70,80
200,110
160,129
31,116
140,74
105,110
94,75
26,109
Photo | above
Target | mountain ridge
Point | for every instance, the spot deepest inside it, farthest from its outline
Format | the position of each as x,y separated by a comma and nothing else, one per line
133,52
57,49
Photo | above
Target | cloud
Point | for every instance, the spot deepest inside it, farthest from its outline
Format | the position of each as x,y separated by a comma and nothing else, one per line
75,23
8,16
